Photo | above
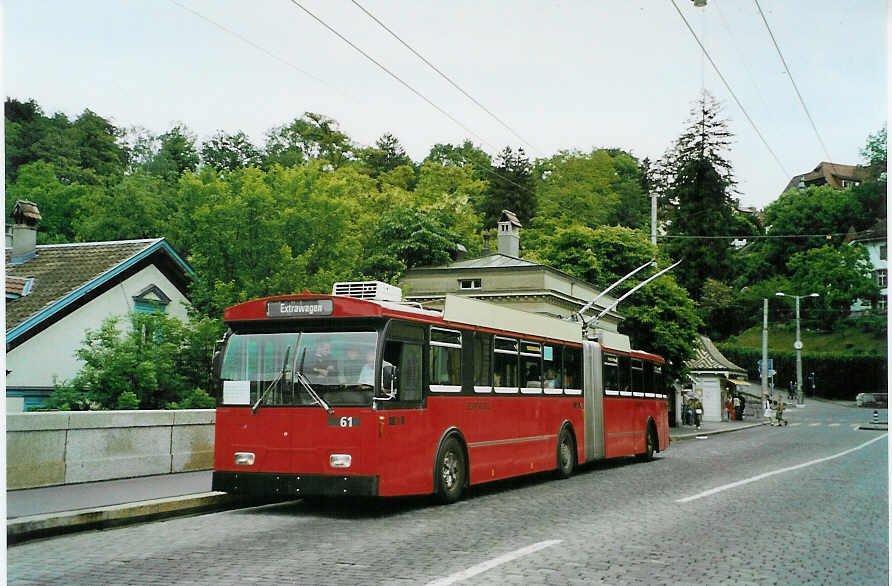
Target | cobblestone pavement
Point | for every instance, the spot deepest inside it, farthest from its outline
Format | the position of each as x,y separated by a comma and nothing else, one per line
617,522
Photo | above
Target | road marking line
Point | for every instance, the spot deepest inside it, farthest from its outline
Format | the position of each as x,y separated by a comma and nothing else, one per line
490,564
795,424
834,425
813,424
718,489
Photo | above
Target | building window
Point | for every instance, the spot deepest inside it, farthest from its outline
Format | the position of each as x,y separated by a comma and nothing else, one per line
882,252
150,300
469,283
881,278
881,304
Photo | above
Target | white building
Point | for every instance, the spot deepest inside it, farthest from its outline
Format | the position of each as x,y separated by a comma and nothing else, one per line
874,240
54,293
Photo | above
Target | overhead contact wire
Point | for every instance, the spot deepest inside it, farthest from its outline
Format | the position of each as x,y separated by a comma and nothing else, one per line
730,90
447,78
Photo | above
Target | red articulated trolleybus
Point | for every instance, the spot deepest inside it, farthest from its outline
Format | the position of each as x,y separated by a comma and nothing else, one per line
339,395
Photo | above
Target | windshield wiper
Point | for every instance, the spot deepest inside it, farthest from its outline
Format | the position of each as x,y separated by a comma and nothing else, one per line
274,382
305,383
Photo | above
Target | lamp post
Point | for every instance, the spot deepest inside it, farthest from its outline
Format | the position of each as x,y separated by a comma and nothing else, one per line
797,345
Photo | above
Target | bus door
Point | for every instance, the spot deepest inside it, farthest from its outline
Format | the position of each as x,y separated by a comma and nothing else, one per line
404,465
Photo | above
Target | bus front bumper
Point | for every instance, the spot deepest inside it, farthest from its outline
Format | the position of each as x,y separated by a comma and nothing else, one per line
293,485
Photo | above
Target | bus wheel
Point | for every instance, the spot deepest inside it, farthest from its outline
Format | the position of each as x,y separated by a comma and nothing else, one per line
566,454
650,445
450,471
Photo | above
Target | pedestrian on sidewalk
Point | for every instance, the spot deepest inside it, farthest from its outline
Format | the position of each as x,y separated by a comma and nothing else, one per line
791,388
738,410
698,411
742,406
729,409
769,412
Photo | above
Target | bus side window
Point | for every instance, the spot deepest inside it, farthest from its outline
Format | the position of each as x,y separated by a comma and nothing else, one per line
552,357
482,362
404,350
406,360
611,373
625,385
648,377
573,369
445,359
637,376
505,364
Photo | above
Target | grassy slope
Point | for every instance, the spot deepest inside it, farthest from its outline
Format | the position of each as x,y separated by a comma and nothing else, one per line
846,340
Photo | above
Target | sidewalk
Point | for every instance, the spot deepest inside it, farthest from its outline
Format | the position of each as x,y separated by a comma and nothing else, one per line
52,510
683,432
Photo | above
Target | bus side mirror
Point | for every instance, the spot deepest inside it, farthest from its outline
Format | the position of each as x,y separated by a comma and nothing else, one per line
389,380
217,361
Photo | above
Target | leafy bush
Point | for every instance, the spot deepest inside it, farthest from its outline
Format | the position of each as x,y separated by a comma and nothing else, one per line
194,399
153,364
838,375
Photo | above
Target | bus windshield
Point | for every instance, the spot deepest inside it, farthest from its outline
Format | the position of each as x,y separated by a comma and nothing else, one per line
340,366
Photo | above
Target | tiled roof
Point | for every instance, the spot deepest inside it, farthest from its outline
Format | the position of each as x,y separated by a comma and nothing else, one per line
829,173
59,270
876,232
16,286
709,359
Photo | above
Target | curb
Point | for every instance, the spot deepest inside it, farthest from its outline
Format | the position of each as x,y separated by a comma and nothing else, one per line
24,528
693,435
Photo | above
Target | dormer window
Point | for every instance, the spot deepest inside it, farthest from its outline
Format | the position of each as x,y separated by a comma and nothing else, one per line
469,284
150,300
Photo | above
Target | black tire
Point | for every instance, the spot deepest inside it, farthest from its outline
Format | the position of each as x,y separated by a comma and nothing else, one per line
566,454
450,471
650,446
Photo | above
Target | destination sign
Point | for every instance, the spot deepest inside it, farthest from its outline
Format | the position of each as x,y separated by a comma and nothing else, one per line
299,308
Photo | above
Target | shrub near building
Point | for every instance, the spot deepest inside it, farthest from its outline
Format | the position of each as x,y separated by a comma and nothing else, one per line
159,362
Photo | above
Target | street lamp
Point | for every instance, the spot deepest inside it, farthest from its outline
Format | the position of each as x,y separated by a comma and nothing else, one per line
797,345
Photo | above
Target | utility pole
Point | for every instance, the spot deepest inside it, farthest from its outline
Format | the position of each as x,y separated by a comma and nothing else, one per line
764,368
653,218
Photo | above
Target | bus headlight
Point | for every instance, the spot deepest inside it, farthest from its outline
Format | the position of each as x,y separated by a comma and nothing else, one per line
244,458
340,460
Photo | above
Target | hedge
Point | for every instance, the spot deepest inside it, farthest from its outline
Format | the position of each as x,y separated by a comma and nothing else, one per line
837,375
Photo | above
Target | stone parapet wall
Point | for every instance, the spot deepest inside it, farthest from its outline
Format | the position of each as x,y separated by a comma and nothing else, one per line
66,447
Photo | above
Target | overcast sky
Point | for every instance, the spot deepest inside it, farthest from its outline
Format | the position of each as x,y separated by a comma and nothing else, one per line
562,74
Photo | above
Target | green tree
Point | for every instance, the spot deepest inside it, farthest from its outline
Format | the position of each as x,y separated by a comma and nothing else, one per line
386,155
176,155
511,187
698,184
57,201
840,275
313,136
404,238
229,152
132,208
466,156
872,193
660,317
812,213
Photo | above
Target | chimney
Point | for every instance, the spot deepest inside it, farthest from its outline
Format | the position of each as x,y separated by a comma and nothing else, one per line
486,237
509,234
23,244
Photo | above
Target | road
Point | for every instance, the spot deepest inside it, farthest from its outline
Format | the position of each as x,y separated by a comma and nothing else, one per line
805,504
